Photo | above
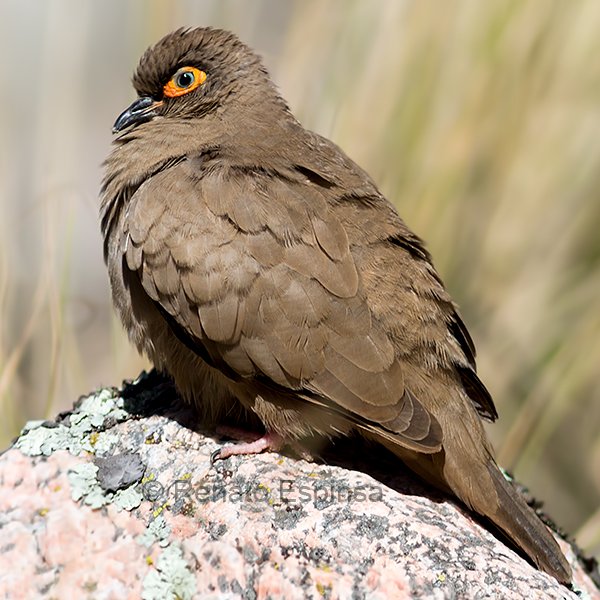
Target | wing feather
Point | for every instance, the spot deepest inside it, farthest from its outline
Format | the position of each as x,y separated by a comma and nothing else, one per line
262,279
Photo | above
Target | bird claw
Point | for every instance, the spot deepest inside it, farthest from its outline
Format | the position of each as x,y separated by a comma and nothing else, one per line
215,456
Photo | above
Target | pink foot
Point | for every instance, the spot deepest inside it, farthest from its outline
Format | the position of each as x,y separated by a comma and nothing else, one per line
269,441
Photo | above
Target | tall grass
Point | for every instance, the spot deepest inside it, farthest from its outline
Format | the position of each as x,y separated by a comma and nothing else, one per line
479,120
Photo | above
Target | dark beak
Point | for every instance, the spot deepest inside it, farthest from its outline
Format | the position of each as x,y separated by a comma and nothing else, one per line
142,109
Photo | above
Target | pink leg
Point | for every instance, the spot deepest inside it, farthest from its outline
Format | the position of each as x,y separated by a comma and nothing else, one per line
269,441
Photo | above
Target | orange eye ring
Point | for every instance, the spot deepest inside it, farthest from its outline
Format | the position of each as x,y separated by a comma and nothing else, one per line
184,81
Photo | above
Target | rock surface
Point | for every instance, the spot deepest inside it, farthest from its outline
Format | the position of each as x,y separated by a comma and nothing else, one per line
118,499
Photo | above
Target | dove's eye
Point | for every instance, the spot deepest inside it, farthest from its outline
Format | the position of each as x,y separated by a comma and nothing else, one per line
184,81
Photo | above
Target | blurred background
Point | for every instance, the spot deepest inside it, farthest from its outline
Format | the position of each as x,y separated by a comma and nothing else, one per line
479,120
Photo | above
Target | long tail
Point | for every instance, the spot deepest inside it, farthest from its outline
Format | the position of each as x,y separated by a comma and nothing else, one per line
473,476
513,516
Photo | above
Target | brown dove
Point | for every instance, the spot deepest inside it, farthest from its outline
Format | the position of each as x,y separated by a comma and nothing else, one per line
262,269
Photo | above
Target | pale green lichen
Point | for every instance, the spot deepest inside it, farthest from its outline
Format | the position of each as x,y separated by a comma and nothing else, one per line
128,499
103,444
40,438
85,487
43,441
101,406
32,425
158,530
172,578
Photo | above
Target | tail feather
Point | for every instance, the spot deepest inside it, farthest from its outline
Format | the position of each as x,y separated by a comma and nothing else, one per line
514,517
466,468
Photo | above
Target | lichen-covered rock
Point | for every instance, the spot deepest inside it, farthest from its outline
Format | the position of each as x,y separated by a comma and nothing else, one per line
118,499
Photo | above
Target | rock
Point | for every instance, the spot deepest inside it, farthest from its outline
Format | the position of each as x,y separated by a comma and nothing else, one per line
117,499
